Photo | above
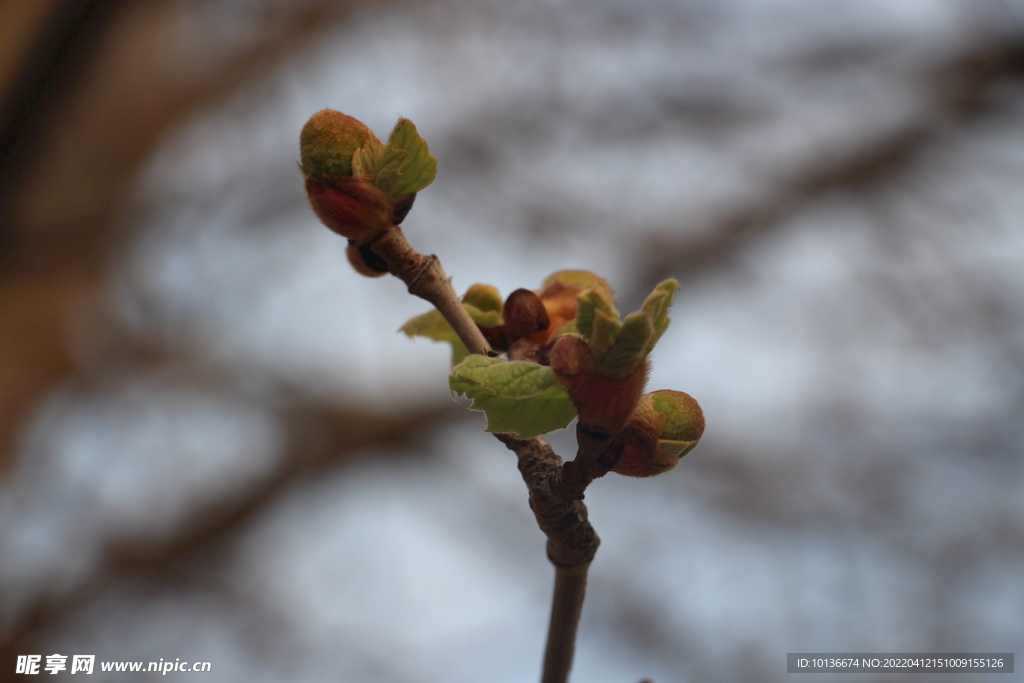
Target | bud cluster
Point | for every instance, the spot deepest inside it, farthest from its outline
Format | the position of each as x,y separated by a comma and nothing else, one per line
358,186
601,362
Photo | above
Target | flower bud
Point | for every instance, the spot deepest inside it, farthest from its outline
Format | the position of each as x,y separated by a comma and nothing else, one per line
328,141
351,207
665,426
365,261
600,402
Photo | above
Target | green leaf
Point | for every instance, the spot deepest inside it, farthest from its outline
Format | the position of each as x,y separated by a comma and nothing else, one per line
596,314
657,304
368,159
407,165
568,329
516,396
389,173
618,346
633,341
676,448
432,325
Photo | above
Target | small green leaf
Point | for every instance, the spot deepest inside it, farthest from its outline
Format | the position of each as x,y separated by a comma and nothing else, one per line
407,165
596,314
516,396
389,172
676,448
568,329
605,331
657,304
432,325
368,159
633,341
618,346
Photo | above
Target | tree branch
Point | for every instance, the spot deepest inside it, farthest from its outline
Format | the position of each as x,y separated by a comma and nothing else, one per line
426,279
556,488
566,607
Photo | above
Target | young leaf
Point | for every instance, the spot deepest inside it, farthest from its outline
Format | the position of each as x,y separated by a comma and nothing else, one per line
657,304
618,346
368,159
407,165
642,329
432,325
597,319
516,396
389,171
632,342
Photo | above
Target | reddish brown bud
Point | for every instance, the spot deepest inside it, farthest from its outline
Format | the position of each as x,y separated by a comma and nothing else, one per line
351,207
524,314
600,402
495,336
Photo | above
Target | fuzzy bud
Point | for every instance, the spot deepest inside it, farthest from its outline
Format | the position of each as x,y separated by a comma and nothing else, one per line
665,426
600,402
328,141
351,207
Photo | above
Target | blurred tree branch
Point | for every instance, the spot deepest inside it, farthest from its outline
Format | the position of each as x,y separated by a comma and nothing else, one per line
74,144
956,93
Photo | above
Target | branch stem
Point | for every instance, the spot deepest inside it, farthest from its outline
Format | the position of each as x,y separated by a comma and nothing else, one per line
426,279
556,487
566,607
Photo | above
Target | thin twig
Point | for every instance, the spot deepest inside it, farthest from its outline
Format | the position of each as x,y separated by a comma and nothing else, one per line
566,607
426,279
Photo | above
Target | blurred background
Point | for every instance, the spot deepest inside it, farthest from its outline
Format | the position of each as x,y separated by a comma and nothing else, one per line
214,445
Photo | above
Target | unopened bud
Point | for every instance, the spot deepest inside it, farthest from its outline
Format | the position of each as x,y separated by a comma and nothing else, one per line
351,207
524,314
487,298
483,297
599,401
665,426
328,141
